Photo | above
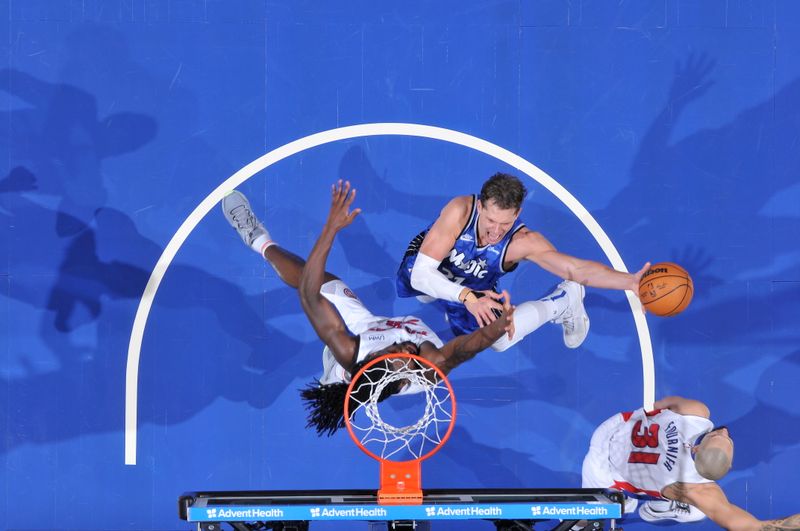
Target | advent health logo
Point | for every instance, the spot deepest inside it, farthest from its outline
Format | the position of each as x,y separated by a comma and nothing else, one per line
466,511
570,511
244,513
348,512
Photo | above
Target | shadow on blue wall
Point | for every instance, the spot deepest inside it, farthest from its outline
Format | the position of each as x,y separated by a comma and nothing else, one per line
722,201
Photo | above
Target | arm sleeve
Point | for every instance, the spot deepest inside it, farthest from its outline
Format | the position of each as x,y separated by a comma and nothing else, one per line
425,277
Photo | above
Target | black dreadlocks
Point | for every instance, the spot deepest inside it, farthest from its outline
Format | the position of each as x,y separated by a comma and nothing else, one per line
325,402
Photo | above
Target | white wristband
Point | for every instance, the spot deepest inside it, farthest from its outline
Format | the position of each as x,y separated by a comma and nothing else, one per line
425,277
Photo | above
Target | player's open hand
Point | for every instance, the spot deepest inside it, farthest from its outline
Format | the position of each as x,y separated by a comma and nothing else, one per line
636,279
484,306
342,197
508,314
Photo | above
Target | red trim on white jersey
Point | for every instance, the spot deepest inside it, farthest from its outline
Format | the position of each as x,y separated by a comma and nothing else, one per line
627,487
626,415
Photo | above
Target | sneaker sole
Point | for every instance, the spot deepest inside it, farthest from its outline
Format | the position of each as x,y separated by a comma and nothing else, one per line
584,337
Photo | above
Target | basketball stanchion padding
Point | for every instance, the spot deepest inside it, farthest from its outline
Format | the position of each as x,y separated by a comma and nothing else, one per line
400,450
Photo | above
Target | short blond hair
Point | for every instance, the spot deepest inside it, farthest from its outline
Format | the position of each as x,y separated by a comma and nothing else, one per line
712,463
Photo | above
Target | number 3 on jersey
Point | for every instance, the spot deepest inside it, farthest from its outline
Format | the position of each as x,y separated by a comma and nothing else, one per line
644,437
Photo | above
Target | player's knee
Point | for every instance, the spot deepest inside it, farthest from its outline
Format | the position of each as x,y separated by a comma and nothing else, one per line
501,344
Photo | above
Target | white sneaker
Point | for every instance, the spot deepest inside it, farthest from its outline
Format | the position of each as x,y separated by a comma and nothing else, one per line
237,211
574,320
658,510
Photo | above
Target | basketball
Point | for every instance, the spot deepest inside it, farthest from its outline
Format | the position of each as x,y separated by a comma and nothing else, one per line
666,289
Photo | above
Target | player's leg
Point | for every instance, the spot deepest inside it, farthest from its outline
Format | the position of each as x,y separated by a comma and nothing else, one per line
240,215
289,266
563,306
528,317
573,319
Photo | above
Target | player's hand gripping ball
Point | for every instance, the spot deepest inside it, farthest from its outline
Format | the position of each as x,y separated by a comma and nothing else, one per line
666,289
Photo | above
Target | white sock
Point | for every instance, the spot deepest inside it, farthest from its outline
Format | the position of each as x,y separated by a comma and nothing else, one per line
528,317
262,242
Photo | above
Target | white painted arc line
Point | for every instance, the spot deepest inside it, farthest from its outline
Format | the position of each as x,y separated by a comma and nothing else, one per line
345,133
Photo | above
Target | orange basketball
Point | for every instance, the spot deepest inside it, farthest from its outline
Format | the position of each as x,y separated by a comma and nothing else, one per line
666,289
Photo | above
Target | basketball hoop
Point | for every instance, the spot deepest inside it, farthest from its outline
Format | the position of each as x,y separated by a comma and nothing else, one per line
400,449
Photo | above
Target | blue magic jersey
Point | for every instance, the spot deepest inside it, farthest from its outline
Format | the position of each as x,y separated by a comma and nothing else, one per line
467,264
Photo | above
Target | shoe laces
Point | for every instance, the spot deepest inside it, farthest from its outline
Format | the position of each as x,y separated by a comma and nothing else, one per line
243,217
566,320
681,508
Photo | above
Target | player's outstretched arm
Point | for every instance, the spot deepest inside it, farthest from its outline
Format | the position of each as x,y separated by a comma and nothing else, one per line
709,498
535,247
683,406
327,322
463,348
790,523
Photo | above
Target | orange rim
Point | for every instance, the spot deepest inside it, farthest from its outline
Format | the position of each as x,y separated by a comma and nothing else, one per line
421,360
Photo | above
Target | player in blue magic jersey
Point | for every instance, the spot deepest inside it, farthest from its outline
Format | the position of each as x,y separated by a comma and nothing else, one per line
459,259
352,334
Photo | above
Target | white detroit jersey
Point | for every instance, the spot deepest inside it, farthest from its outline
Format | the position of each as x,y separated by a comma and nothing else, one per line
643,452
375,332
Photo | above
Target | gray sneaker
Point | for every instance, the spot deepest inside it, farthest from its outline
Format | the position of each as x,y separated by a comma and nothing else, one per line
237,211
659,510
574,320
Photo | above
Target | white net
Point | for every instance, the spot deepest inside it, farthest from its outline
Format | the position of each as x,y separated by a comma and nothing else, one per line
408,441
